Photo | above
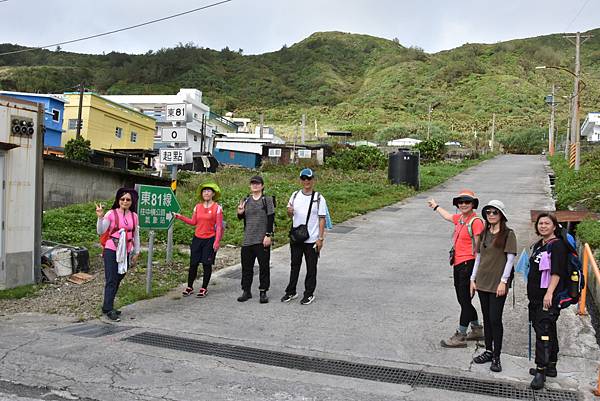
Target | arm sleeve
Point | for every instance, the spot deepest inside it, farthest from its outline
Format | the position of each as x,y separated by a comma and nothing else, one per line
322,206
558,258
192,221
103,224
510,258
270,222
136,240
219,224
476,266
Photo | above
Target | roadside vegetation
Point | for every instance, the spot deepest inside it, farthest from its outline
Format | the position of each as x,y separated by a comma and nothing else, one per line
580,190
350,191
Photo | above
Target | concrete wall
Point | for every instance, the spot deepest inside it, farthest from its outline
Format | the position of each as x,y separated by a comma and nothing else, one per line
67,182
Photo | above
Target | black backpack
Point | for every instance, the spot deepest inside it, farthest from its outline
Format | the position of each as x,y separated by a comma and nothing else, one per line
571,291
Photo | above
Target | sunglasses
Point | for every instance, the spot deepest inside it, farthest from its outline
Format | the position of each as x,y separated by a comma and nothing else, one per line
305,178
492,212
464,202
125,199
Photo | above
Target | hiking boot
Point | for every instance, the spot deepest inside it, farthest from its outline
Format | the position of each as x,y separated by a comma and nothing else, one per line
538,381
475,334
246,295
288,297
263,297
113,315
201,293
458,340
307,300
484,357
496,366
550,370
187,292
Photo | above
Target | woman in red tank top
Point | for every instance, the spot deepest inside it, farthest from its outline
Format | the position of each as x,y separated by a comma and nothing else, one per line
208,219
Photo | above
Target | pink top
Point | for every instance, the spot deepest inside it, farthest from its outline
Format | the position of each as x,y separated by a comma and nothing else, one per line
127,221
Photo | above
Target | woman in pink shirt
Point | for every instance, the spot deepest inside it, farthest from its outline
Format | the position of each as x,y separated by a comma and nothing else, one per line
208,219
122,246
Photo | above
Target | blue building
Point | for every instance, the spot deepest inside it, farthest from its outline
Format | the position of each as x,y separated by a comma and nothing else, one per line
54,108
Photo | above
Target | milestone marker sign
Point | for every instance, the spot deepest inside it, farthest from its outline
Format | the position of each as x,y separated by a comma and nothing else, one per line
156,206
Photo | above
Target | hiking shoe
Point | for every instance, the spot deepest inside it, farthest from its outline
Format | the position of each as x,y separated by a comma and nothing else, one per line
538,381
550,370
496,366
484,357
113,315
246,295
476,333
458,340
187,292
264,299
202,293
307,300
288,297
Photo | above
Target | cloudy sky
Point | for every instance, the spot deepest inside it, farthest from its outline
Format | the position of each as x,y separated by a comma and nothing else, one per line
259,26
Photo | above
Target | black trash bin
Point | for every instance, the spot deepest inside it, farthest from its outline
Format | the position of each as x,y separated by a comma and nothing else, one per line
80,259
403,168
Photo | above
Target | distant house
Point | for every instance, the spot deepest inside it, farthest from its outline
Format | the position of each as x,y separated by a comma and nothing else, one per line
201,132
404,142
107,124
54,107
282,154
591,127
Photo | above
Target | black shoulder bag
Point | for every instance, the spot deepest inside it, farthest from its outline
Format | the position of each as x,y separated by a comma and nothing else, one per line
300,234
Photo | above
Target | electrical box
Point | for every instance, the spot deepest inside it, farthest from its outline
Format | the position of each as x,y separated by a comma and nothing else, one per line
21,143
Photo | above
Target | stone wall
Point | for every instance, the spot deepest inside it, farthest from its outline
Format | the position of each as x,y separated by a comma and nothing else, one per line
67,182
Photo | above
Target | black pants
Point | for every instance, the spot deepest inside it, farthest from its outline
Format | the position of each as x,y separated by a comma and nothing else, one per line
311,257
462,286
201,252
492,308
112,279
546,338
249,254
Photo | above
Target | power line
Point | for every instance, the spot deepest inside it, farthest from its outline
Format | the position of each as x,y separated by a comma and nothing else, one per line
577,16
117,30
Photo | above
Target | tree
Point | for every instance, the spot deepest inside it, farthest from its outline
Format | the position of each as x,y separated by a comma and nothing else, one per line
78,149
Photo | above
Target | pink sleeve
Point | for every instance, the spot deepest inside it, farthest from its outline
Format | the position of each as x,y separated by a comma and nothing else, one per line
219,225
192,221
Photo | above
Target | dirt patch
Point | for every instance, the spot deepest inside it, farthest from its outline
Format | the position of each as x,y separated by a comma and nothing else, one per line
83,301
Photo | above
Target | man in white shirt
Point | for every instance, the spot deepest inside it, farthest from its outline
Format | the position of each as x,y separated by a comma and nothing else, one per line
298,208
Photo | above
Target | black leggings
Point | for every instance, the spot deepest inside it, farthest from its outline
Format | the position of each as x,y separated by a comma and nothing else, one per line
201,252
492,308
546,337
462,286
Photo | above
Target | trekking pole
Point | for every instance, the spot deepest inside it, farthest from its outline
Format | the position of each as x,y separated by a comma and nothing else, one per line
530,340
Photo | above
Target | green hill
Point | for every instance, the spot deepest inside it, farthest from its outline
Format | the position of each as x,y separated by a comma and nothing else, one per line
374,86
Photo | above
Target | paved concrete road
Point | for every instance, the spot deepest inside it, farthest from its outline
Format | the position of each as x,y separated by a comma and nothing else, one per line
384,297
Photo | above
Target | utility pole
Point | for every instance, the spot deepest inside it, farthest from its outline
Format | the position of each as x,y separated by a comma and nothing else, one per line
551,128
493,130
568,131
575,157
429,120
79,122
262,121
303,126
316,130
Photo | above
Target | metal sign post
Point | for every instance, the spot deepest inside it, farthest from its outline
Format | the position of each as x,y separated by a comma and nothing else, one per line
156,208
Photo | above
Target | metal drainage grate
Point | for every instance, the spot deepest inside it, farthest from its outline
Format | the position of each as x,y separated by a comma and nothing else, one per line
391,209
92,330
386,374
342,229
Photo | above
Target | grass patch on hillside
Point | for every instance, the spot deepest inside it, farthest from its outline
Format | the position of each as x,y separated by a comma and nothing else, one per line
580,189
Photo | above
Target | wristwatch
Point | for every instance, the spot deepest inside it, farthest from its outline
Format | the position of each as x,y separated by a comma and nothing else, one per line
321,238
504,280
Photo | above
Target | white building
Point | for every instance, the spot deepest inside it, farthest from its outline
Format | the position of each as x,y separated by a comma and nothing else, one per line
591,127
200,133
404,142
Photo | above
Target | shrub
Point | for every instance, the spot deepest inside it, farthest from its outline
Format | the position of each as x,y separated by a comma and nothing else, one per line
359,158
528,141
78,149
432,150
